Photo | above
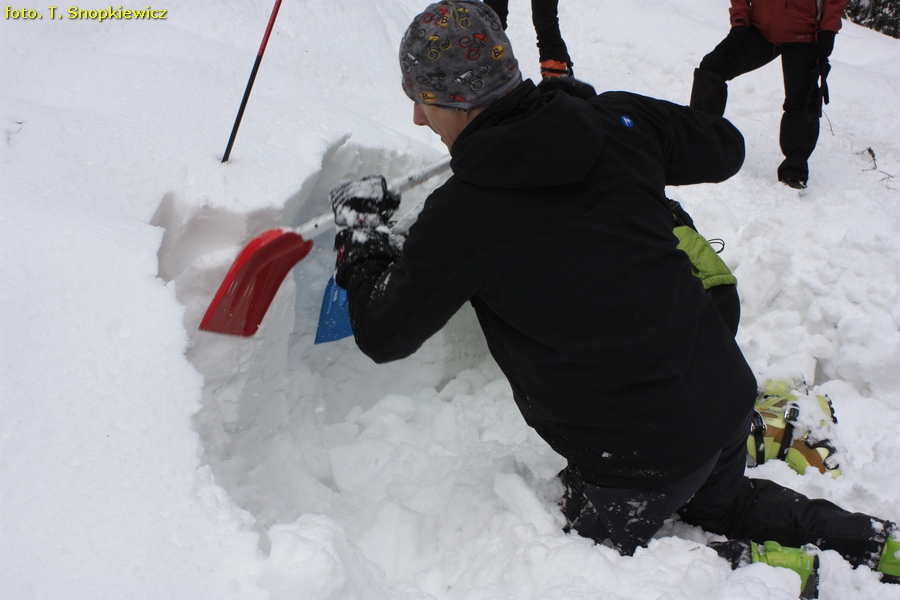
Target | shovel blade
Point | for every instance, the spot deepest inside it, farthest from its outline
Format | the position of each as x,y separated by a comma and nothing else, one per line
334,318
252,281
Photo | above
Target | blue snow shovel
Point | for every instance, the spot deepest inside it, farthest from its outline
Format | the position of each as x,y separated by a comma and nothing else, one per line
251,283
334,317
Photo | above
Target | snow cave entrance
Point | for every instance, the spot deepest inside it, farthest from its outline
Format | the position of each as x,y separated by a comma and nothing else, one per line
274,406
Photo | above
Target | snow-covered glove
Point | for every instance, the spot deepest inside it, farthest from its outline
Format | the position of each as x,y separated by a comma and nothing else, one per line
825,44
363,204
361,212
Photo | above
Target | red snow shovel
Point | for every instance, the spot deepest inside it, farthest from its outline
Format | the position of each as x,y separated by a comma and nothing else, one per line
250,285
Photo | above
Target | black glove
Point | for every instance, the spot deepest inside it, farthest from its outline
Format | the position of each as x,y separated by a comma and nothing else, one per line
738,30
817,95
569,85
825,44
361,212
363,255
364,204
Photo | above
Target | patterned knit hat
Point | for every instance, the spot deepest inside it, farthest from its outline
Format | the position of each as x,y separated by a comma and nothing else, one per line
456,55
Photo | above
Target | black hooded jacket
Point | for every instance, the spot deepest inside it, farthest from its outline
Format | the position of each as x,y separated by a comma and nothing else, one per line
555,225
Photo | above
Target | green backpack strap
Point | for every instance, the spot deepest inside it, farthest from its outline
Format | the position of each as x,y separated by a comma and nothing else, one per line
705,261
706,264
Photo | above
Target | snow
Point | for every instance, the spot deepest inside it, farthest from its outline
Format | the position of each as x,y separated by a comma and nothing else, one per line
142,458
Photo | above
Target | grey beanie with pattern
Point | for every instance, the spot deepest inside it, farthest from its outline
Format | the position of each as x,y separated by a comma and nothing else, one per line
456,55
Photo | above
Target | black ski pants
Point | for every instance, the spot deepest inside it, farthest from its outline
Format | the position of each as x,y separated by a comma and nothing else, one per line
545,17
719,498
746,50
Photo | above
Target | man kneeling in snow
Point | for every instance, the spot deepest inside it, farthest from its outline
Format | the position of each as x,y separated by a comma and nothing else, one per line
556,227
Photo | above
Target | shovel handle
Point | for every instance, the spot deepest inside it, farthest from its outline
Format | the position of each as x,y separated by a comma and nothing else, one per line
325,222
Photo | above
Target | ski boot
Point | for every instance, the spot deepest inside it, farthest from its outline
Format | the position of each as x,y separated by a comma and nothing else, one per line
787,428
804,561
889,565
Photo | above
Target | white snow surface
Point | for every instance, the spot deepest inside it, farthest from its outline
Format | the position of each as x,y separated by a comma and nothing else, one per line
142,458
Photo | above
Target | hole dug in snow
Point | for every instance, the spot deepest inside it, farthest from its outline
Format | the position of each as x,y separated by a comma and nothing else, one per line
275,405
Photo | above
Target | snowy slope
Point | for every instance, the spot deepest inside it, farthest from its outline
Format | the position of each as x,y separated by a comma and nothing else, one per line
141,458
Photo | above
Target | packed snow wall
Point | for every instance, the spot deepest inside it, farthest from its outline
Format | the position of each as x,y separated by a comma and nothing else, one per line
268,397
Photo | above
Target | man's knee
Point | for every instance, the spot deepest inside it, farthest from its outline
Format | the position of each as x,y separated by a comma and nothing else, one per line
709,93
716,519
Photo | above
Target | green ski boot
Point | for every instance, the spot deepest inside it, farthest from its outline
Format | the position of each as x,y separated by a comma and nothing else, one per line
802,561
889,565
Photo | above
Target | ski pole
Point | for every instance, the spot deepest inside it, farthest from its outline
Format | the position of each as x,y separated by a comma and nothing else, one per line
259,55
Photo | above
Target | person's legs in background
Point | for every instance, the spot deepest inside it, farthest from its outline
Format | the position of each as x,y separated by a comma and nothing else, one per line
743,50
799,132
553,53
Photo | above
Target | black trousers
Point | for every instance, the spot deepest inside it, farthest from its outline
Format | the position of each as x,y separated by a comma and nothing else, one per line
719,498
545,17
741,53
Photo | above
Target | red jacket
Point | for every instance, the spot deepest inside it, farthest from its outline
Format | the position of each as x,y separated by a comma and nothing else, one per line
788,20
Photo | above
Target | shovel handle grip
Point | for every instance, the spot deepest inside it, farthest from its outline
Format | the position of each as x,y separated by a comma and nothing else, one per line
325,223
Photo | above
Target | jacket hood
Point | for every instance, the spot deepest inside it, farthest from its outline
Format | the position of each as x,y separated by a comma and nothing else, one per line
529,139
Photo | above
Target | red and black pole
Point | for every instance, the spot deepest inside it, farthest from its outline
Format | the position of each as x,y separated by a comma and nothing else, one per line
259,55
